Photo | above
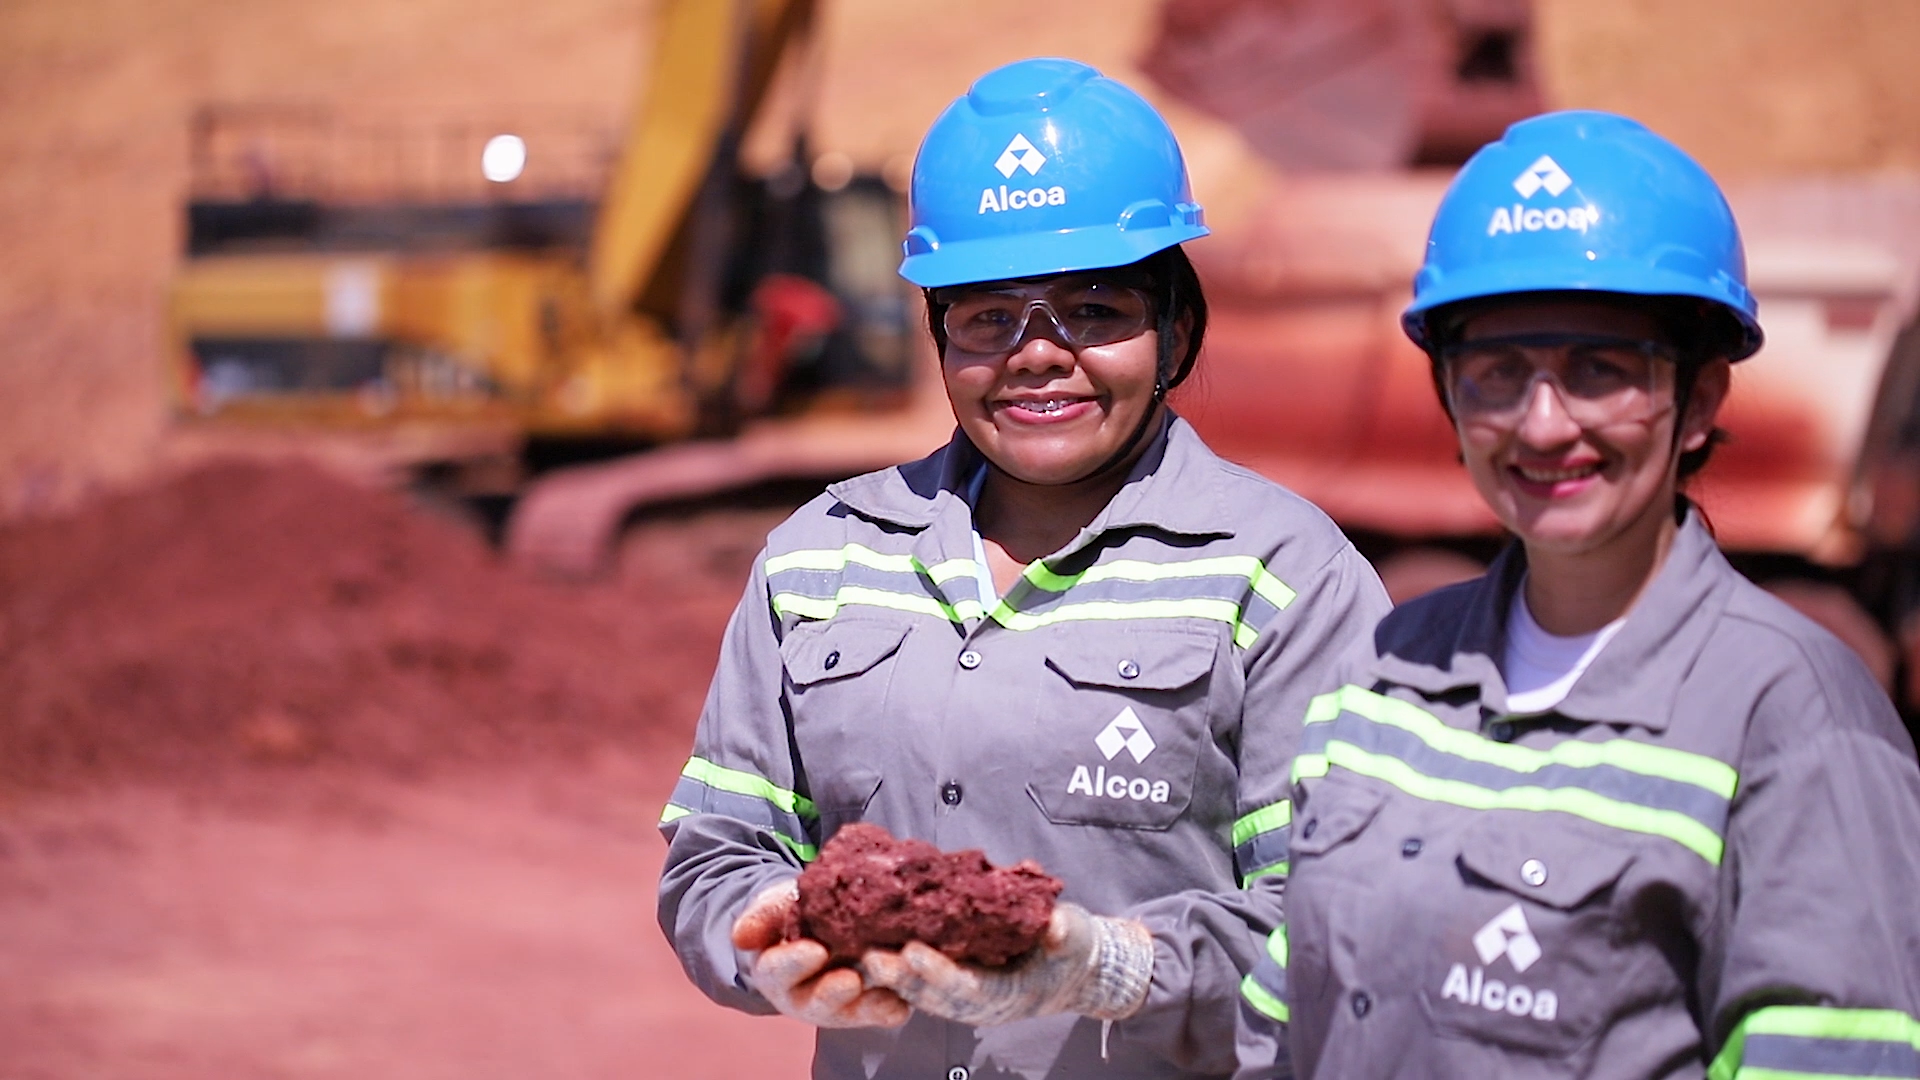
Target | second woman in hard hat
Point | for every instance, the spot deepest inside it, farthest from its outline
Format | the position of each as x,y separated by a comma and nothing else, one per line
1610,810
1072,635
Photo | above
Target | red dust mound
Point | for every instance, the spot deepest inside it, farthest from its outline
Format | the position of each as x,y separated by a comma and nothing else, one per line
868,890
281,614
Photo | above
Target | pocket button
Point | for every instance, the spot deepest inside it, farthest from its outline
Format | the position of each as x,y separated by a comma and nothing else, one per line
1312,826
832,661
1410,847
1129,669
1533,872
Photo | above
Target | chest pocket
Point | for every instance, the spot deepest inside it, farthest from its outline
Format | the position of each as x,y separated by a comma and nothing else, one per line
839,674
1531,955
1122,718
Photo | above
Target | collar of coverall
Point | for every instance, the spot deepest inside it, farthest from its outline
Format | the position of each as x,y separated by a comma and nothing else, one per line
1635,679
1168,489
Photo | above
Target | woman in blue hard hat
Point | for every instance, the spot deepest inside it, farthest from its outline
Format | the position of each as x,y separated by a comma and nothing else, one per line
1072,635
1609,810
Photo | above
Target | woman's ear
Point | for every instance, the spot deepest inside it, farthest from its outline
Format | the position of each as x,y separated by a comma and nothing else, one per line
1710,387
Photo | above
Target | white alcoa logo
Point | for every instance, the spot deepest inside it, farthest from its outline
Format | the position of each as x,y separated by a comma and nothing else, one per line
1123,732
1545,173
1508,935
1020,154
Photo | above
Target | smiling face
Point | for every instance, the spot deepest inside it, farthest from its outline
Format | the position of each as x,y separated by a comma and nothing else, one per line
1577,486
1045,410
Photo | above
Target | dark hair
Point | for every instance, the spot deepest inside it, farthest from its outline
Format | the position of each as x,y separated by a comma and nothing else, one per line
1699,330
1176,294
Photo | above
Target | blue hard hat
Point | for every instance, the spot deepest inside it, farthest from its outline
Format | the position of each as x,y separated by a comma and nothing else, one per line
1045,166
1585,201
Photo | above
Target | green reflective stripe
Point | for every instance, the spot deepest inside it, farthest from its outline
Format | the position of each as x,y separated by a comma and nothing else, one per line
1308,767
742,783
1265,1003
1810,1022
861,555
1265,871
813,607
1265,819
671,812
803,851
1230,611
1277,945
1225,611
1674,826
1704,772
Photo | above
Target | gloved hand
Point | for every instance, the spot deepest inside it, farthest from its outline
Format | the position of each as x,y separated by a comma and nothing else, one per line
793,975
1088,964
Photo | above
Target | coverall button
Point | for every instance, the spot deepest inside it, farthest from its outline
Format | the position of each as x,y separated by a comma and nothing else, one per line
950,793
833,660
1129,669
1307,832
1362,1004
1533,872
1410,847
958,1072
969,659
1500,731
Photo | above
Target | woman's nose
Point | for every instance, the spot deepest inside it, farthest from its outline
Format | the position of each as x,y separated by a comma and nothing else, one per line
1038,352
1546,421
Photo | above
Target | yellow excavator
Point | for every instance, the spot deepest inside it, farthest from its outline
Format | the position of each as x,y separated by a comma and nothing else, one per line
491,321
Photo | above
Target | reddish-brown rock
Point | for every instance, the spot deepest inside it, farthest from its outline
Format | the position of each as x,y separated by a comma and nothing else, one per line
869,890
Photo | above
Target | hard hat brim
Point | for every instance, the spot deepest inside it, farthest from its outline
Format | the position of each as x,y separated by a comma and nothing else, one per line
1092,248
1516,278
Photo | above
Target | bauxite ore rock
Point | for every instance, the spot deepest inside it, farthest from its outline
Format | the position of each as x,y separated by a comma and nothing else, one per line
869,890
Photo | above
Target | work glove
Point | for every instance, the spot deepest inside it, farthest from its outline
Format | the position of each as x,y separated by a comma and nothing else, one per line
1088,964
793,975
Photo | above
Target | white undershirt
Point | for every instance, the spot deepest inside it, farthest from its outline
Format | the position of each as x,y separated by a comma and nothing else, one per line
1540,668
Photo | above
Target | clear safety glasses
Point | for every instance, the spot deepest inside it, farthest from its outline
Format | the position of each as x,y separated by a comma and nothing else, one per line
1600,380
1084,312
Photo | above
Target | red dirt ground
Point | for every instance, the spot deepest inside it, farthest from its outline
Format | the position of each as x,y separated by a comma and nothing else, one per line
298,782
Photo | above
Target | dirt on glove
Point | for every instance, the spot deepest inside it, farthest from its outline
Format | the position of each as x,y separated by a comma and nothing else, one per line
869,890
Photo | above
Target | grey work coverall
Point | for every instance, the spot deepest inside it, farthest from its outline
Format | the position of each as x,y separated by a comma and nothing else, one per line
1708,853
1123,717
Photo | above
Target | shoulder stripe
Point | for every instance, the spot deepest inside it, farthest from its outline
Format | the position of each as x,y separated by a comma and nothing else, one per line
1236,590
1619,783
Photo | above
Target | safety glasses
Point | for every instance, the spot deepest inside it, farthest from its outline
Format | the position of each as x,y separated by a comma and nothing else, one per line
1601,380
1083,312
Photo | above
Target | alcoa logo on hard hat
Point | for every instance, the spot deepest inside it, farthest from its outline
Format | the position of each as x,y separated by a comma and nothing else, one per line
1505,935
1020,154
1545,174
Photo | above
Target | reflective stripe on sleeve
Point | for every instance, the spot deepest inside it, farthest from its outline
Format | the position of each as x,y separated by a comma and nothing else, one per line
1237,590
1260,841
1619,783
1808,1041
1265,987
707,788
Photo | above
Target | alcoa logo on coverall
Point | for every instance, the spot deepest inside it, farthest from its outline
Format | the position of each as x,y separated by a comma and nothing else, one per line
1506,934
1123,732
1020,154
1543,175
